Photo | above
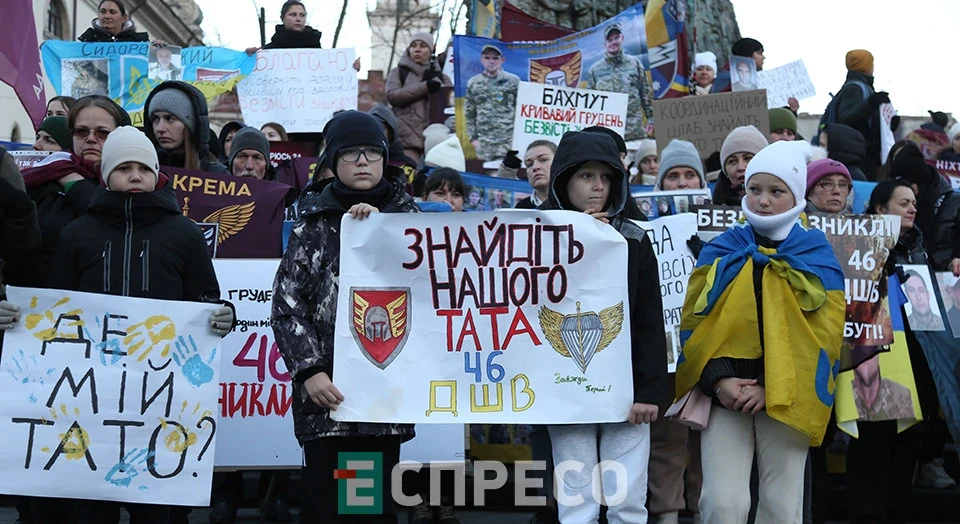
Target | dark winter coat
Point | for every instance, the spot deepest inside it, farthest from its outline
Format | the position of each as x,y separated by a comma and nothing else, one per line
855,111
397,156
410,100
942,233
201,135
284,38
305,308
56,208
136,245
95,33
847,146
19,230
724,193
647,335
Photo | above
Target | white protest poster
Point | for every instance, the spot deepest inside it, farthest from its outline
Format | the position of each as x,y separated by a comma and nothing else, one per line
298,88
508,317
547,111
108,398
676,262
256,397
789,80
886,134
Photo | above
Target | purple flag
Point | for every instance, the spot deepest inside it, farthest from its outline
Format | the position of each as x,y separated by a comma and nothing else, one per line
20,58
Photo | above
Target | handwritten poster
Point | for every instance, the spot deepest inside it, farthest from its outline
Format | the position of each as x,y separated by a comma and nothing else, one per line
707,120
669,236
546,112
483,318
108,398
788,80
298,88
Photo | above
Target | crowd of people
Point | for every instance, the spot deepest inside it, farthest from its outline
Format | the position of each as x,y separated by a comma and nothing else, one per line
67,222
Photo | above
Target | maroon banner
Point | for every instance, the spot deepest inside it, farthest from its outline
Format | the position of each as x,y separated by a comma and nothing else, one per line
298,172
240,217
280,151
20,58
516,26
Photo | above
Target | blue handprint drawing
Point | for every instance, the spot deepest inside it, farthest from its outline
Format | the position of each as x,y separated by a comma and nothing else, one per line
197,371
26,370
126,470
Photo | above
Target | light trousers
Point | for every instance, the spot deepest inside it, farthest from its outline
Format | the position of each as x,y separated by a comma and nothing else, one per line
622,451
728,444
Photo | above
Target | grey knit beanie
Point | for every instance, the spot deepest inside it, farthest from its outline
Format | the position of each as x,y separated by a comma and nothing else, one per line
680,153
248,138
177,103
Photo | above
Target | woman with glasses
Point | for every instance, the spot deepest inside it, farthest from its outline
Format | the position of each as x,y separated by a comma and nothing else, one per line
178,125
828,186
63,184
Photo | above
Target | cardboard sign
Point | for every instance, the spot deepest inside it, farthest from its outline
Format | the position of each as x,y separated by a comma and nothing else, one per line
298,88
781,83
483,318
546,112
109,398
707,120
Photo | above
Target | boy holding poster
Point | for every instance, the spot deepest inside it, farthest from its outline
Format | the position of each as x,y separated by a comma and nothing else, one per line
305,308
587,175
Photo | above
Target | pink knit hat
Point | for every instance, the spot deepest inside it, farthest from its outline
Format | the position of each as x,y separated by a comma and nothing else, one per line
826,167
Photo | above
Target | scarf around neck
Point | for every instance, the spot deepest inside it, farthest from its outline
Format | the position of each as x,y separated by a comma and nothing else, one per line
379,196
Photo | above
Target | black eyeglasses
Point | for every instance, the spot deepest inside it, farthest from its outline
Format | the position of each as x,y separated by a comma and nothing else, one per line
82,133
352,154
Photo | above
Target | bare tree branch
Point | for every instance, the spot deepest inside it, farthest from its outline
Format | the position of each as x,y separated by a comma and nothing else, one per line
343,14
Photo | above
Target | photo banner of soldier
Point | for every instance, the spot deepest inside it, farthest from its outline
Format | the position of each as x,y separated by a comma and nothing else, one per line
788,80
120,71
240,217
657,204
882,386
942,350
707,120
546,112
483,318
669,236
109,398
485,105
298,88
255,414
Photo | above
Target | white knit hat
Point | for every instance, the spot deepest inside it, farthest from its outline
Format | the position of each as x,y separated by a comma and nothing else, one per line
448,153
648,147
954,130
127,144
706,58
433,135
786,161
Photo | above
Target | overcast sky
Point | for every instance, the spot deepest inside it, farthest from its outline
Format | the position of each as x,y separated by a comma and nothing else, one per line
911,41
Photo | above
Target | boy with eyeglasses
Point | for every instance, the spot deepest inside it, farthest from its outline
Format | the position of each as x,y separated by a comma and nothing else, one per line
305,306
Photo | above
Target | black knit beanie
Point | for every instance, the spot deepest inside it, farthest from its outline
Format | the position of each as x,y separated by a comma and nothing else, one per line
349,129
910,165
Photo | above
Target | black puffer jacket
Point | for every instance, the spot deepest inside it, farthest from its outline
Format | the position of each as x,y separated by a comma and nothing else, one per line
201,135
649,352
137,245
846,145
95,33
305,307
854,110
938,217
284,38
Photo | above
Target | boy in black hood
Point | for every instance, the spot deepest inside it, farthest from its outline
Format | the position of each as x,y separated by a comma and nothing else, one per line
587,175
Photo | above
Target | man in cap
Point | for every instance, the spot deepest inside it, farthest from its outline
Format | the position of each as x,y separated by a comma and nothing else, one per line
250,155
491,100
622,73
858,106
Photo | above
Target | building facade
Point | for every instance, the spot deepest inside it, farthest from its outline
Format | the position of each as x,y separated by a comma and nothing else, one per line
176,22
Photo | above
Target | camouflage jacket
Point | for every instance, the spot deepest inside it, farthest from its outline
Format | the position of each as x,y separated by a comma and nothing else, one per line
625,74
305,308
490,107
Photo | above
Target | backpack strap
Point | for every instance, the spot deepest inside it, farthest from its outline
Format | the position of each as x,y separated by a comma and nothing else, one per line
404,71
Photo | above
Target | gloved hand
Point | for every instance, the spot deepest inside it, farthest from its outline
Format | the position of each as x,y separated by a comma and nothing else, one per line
880,97
221,321
430,72
434,85
9,315
895,123
695,244
512,160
